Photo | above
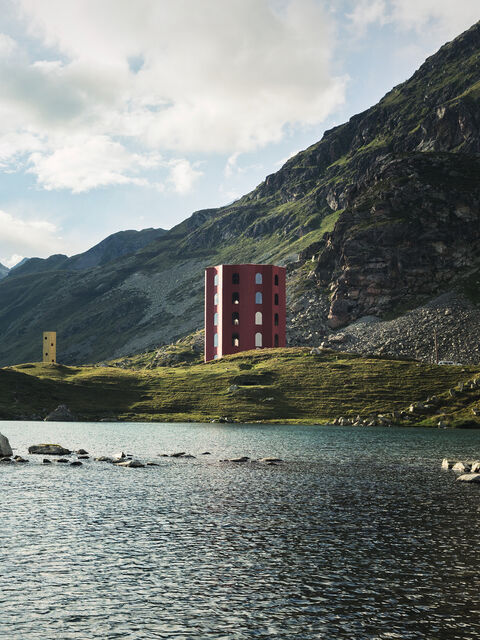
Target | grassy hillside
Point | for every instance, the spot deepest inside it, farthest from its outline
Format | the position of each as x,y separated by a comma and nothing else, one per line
278,385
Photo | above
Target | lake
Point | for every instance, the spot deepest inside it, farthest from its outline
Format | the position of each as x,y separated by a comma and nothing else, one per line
359,534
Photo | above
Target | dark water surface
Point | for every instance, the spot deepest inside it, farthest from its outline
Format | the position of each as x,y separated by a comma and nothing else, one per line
358,535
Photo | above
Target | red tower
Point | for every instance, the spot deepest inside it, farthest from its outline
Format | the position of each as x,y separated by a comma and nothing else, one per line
244,308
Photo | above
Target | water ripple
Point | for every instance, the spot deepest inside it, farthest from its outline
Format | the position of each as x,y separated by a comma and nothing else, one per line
359,535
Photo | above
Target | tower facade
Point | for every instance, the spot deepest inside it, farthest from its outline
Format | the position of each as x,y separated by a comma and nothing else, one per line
49,346
245,308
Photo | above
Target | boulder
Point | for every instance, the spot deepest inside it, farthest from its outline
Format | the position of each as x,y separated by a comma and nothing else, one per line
241,459
62,460
46,461
76,463
447,464
49,450
136,464
82,452
475,467
104,459
20,459
61,414
469,477
461,467
268,460
180,454
5,448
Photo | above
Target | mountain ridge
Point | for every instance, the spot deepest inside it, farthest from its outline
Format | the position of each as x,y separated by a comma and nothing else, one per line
361,219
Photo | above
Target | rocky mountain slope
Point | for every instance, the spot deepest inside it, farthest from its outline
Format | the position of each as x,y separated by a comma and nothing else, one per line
380,216
3,271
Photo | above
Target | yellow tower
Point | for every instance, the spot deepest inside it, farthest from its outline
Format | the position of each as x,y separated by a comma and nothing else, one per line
49,346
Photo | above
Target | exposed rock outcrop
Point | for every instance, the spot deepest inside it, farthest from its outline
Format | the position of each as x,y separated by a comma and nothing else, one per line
5,448
61,414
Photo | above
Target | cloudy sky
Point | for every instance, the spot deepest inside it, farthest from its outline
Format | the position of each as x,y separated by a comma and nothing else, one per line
121,114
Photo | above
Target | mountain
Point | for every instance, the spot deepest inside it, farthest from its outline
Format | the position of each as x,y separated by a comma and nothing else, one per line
114,246
380,216
3,271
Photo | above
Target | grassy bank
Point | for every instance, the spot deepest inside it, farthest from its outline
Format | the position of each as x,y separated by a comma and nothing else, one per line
278,385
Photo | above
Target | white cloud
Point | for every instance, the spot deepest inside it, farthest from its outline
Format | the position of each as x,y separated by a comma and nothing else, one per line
448,17
28,237
176,77
82,164
183,175
367,12
445,18
12,260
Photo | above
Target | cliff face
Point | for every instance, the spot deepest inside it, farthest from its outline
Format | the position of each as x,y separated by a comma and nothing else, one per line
3,271
382,212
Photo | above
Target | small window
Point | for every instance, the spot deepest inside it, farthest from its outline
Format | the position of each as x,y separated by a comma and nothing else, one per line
276,280
46,353
258,339
235,297
46,338
276,298
215,299
258,297
235,340
235,318
215,319
215,357
51,344
53,360
276,319
235,278
258,278
215,339
276,340
215,280
258,318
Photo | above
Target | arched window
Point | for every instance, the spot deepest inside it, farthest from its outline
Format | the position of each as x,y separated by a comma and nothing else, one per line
276,319
276,280
235,340
258,339
215,299
215,280
258,278
276,298
215,319
258,318
235,297
215,339
258,297
235,278
276,340
235,318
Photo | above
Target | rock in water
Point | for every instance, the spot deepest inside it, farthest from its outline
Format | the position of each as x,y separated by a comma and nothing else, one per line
469,477
131,463
447,464
49,450
5,448
61,414
461,467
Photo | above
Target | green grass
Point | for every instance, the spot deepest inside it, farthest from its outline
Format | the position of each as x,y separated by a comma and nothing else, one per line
275,385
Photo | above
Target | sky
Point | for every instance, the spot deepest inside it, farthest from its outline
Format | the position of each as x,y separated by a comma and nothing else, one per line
126,115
